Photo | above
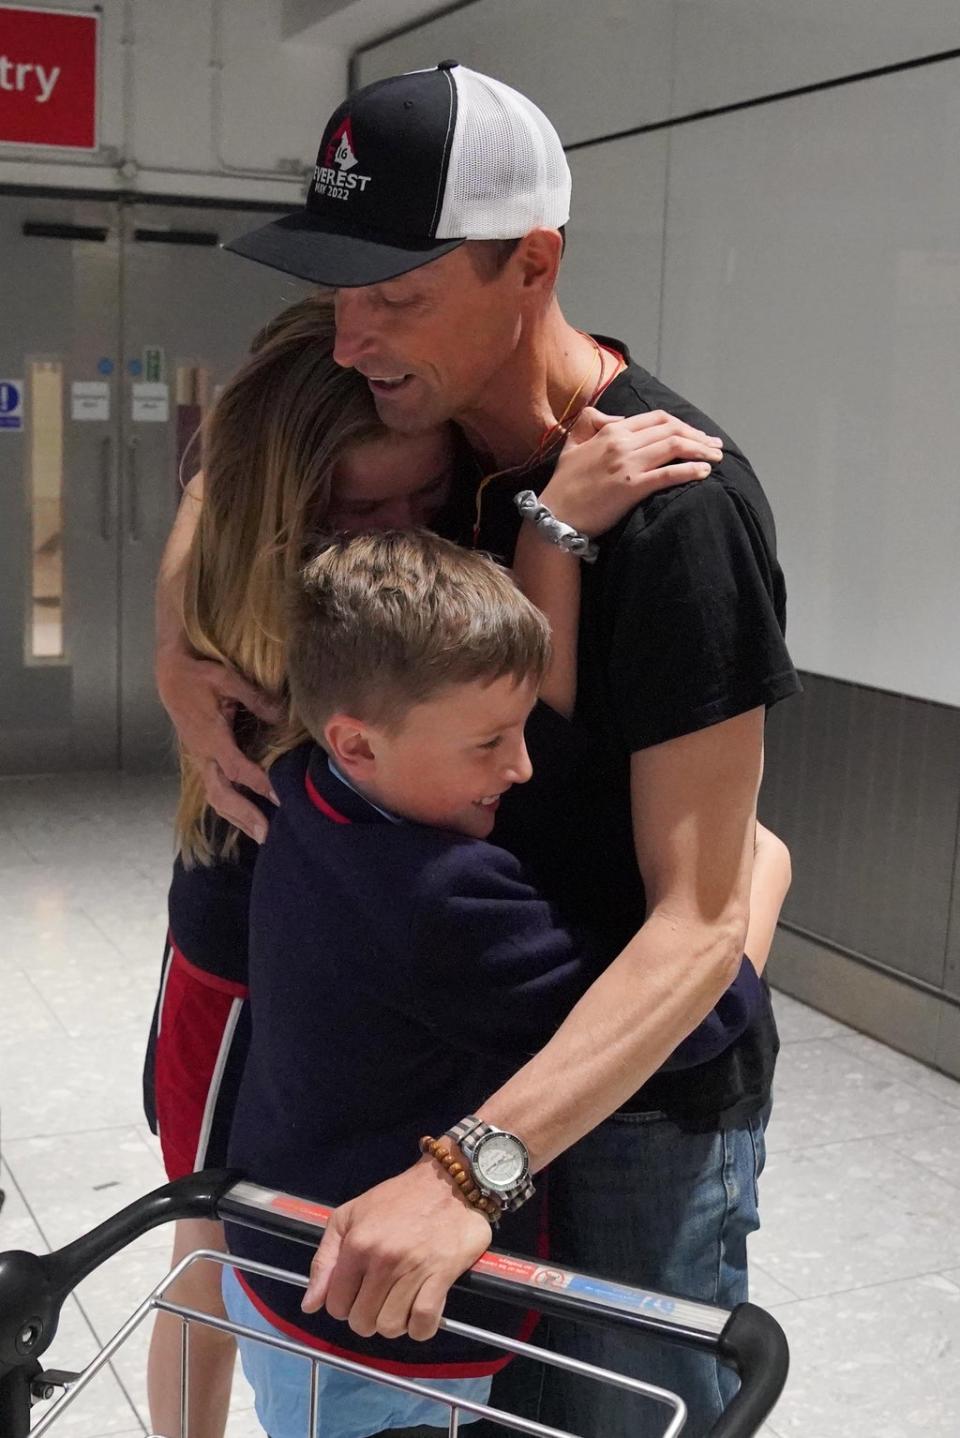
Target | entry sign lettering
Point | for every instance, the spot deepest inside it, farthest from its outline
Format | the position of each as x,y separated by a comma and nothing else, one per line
11,404
48,77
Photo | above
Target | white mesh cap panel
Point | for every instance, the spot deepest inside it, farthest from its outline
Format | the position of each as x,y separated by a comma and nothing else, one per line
507,173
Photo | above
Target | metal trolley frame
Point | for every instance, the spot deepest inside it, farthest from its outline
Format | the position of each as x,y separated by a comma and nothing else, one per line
34,1287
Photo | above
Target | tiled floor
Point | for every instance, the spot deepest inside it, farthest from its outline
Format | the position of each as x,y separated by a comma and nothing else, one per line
859,1256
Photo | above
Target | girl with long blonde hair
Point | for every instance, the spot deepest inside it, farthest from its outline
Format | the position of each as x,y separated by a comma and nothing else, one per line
292,447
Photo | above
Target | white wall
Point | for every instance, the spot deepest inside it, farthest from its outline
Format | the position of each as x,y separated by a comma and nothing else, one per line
349,23
593,68
200,98
818,312
612,266
728,50
794,268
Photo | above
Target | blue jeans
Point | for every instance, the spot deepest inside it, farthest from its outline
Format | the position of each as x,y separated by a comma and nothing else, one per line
350,1406
645,1202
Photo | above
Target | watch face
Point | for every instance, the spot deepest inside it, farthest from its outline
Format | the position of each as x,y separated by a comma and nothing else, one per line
500,1161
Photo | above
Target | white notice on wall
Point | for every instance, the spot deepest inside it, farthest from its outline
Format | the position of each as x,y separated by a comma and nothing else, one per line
89,399
151,403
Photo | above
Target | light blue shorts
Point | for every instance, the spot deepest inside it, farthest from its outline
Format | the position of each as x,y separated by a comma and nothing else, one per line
350,1406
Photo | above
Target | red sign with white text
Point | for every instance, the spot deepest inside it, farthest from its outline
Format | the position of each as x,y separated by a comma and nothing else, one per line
48,77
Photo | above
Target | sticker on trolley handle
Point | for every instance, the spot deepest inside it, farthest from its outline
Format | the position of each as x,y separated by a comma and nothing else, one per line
552,1278
581,1285
618,1295
532,1273
301,1208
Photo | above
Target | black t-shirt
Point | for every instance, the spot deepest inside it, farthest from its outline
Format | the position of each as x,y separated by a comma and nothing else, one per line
681,626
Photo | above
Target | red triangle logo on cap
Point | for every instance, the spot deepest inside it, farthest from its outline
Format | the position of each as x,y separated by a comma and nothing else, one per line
339,153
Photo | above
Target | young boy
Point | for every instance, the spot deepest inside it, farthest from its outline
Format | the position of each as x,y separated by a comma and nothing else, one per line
400,965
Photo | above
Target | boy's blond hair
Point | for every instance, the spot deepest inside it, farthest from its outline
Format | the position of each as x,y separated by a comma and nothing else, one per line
382,622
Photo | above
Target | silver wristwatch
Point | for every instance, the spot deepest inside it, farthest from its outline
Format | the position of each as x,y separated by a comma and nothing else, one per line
498,1161
552,529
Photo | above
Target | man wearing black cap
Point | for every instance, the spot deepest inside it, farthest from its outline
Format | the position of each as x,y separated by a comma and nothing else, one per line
435,213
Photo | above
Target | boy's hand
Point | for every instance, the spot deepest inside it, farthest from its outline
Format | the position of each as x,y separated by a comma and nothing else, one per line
389,1257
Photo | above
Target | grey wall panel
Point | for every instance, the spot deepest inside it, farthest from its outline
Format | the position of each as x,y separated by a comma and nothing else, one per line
594,69
865,786
599,69
812,305
610,280
947,1056
876,1003
729,50
952,978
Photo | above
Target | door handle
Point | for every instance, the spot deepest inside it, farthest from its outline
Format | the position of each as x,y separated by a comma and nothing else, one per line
133,492
106,466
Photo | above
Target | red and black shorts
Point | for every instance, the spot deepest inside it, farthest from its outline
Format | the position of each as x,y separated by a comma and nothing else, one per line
195,1056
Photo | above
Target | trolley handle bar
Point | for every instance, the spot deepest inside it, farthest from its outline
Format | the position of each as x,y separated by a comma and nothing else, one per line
754,1344
749,1340
33,1288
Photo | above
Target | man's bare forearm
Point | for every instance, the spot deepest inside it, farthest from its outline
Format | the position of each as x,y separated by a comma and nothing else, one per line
694,825
655,992
169,622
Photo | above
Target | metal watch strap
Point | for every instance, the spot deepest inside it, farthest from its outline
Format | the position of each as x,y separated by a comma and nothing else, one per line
552,529
472,1127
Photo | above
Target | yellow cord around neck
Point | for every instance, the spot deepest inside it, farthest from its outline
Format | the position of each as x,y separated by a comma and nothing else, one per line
554,432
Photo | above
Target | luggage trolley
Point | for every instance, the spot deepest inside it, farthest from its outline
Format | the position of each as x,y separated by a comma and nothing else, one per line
34,1287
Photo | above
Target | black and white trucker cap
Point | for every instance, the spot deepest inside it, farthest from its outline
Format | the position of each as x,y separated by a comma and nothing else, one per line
411,167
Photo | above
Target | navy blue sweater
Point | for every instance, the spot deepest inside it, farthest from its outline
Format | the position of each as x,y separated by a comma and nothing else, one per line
398,975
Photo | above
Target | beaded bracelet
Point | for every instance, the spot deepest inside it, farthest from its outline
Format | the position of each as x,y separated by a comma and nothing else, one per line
489,1207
